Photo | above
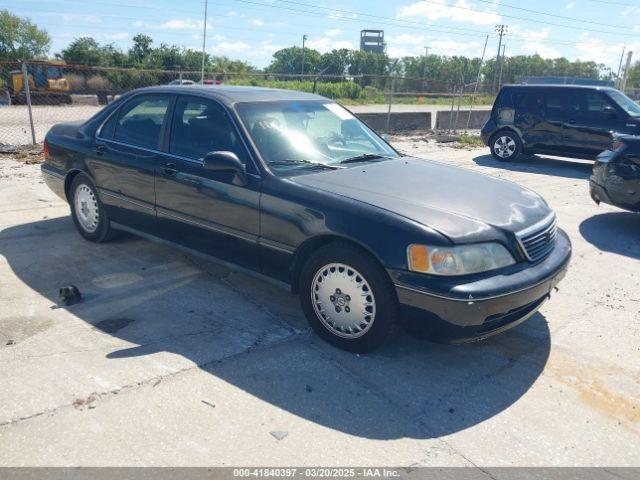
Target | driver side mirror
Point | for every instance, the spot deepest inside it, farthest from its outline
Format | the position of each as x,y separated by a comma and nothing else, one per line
224,161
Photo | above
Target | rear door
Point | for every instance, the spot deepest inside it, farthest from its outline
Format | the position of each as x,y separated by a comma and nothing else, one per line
208,211
590,119
528,117
124,159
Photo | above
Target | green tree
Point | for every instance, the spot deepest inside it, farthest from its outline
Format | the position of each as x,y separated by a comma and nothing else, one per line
20,39
289,61
335,62
367,65
85,51
141,48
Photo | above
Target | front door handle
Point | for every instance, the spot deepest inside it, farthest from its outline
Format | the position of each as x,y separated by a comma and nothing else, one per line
100,149
170,169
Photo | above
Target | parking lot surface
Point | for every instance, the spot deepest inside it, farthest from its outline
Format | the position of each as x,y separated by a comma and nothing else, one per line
172,360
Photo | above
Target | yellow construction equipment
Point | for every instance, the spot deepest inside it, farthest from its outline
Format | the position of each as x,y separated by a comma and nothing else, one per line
47,84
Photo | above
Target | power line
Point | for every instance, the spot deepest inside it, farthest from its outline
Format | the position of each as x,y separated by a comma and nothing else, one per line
554,15
397,23
533,20
622,4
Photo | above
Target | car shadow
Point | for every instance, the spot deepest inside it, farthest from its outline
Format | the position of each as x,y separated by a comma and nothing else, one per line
152,298
615,232
558,167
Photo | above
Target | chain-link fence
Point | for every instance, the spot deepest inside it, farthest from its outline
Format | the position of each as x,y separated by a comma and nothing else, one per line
36,95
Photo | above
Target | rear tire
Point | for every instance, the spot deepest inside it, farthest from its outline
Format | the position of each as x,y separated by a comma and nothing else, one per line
88,212
505,145
348,298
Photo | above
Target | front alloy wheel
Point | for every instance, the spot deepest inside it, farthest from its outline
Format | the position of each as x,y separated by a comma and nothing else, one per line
343,300
348,298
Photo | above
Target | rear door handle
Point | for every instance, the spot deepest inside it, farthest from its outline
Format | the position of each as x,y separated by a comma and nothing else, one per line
170,169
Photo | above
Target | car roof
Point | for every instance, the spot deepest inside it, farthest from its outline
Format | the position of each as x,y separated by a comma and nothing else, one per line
231,94
560,86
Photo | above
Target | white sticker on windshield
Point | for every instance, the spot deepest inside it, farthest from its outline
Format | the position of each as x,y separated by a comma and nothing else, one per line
342,113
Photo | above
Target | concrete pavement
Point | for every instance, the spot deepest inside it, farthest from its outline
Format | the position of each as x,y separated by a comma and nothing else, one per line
170,360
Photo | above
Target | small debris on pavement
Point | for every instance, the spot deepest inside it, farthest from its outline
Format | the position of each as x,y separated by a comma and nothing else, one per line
279,435
10,342
70,295
308,388
208,403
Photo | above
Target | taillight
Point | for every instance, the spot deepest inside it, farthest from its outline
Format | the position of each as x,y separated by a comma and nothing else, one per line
45,148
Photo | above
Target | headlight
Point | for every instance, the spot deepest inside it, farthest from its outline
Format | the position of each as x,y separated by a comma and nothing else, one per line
458,260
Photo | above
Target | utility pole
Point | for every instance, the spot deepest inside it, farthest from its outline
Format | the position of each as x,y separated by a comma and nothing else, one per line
304,39
620,65
475,89
500,30
504,46
424,70
625,75
204,42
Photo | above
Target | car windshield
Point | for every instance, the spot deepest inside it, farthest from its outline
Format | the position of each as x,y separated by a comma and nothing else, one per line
294,135
628,105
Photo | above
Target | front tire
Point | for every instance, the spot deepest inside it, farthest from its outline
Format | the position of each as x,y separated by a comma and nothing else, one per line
88,212
505,146
347,298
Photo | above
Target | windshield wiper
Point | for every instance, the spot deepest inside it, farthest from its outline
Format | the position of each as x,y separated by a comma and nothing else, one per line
308,163
364,157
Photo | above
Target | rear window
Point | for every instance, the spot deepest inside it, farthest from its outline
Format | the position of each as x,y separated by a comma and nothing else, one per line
527,100
140,121
504,99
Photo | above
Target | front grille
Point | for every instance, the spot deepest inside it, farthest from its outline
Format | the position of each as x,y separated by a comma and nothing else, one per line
538,241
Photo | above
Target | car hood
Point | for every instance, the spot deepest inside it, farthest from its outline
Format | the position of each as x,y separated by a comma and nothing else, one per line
461,204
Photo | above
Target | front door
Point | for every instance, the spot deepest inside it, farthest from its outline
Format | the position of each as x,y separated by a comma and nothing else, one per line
590,119
124,157
212,212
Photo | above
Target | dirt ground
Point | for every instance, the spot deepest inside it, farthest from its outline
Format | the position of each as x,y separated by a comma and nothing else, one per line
170,360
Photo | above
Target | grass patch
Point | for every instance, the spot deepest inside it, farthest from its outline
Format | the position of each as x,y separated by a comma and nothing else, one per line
465,141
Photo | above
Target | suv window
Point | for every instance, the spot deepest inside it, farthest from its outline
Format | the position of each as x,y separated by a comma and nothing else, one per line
553,104
140,121
587,105
201,126
528,101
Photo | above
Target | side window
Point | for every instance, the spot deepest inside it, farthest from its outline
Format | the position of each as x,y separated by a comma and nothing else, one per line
595,105
527,102
504,99
201,126
140,121
553,105
108,128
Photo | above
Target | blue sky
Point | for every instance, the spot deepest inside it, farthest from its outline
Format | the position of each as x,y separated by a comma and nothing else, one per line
252,30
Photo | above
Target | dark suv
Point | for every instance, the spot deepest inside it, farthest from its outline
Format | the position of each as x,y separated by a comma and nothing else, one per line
570,121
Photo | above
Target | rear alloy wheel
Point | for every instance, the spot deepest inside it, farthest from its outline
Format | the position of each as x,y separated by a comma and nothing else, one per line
89,216
505,146
347,298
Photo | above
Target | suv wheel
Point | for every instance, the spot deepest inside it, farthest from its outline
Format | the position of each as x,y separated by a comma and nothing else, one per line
505,146
347,298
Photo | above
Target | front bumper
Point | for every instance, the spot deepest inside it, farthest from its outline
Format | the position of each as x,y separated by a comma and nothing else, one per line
479,307
615,182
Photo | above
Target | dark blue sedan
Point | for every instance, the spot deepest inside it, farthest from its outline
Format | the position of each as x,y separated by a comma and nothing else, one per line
292,186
